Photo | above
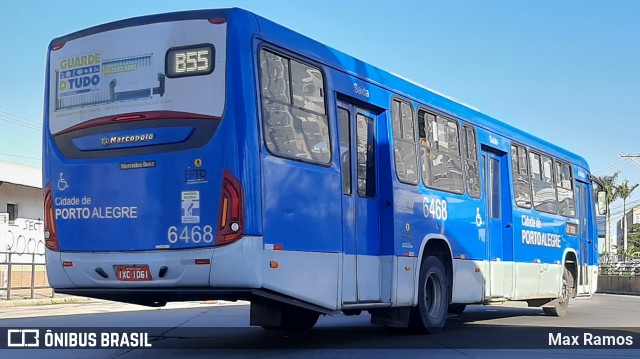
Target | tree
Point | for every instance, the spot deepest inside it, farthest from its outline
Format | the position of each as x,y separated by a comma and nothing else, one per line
630,253
634,235
623,190
610,189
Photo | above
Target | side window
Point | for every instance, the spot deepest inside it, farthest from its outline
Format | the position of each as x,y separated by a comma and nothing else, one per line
520,172
471,161
544,191
404,142
440,152
564,183
494,169
344,131
307,87
293,104
12,209
366,156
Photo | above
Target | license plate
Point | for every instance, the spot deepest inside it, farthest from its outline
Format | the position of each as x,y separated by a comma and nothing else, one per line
133,273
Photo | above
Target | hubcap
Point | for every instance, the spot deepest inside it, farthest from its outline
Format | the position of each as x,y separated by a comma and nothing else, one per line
432,295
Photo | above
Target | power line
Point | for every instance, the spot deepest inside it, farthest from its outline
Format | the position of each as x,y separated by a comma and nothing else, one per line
20,121
612,166
607,164
19,156
635,157
20,118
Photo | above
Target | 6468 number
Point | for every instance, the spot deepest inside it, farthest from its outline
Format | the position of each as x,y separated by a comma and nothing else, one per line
190,234
435,208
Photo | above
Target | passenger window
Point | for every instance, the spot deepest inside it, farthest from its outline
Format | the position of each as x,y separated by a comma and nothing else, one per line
294,120
520,172
471,162
494,170
275,77
344,131
440,152
564,183
404,142
308,91
544,190
366,156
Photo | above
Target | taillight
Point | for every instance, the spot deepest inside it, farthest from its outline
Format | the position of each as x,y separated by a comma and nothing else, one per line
50,232
231,210
126,118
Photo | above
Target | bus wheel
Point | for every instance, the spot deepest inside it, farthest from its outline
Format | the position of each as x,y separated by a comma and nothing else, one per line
561,304
457,308
433,294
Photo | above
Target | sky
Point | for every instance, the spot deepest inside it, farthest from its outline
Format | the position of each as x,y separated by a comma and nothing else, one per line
566,71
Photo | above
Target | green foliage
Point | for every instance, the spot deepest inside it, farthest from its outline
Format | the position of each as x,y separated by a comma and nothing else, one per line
609,183
623,190
632,252
610,187
633,238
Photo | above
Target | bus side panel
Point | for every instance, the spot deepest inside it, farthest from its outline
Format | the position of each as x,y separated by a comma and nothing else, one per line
301,201
302,230
308,276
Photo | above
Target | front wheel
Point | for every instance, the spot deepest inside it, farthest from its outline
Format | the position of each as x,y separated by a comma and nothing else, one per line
433,295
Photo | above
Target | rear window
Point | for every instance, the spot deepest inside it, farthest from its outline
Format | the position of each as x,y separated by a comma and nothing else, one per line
170,66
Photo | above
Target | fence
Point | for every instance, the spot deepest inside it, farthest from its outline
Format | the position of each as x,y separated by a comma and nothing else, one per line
623,269
22,262
23,276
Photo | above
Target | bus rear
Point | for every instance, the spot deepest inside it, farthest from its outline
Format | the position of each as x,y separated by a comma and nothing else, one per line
141,172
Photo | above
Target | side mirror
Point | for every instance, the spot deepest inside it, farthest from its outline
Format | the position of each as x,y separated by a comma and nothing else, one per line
602,202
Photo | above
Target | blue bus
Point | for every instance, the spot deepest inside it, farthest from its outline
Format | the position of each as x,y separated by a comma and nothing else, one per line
217,155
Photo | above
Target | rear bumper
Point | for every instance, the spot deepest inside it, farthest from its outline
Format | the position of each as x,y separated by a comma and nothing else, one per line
153,296
236,265
159,297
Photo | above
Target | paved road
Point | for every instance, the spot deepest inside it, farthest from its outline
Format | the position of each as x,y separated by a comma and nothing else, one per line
194,330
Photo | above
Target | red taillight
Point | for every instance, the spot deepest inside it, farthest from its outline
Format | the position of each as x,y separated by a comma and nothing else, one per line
50,232
127,118
231,211
217,21
57,47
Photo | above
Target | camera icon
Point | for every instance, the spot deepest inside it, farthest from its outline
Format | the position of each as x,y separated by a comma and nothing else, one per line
23,338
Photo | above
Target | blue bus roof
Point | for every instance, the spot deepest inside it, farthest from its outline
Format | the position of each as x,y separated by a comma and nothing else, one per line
340,61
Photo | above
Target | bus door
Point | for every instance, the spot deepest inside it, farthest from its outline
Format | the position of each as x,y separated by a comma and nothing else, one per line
499,225
360,232
584,238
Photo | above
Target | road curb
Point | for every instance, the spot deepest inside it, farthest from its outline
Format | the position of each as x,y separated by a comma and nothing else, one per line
43,301
74,299
617,292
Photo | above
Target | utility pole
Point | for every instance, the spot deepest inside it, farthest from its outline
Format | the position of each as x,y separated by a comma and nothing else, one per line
635,157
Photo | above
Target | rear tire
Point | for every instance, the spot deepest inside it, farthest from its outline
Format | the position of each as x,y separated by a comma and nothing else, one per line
561,304
433,294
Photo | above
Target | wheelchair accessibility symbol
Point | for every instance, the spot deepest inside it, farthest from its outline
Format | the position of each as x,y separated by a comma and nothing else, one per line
62,183
478,217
